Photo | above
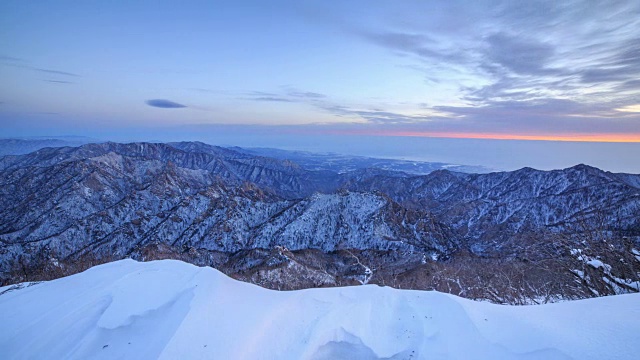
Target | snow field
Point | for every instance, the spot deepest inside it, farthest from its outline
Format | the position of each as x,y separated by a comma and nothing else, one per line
169,309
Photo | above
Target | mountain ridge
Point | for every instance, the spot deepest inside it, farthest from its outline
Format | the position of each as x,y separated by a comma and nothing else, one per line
207,204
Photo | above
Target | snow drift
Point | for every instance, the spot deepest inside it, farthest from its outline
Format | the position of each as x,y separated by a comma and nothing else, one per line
171,310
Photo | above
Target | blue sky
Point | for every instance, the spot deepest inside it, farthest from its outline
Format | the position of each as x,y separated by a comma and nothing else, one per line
350,72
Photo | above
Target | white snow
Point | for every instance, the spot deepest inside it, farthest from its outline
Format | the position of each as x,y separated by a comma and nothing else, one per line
599,264
172,310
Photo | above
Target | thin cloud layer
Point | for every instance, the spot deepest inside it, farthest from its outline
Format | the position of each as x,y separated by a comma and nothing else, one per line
17,62
56,72
306,94
288,94
540,66
270,98
58,81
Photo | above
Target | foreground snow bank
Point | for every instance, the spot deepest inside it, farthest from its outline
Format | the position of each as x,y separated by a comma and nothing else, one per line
172,310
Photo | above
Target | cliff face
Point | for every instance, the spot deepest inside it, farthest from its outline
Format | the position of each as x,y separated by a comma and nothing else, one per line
209,205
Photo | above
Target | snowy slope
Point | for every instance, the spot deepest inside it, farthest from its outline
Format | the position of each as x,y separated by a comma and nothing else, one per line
171,310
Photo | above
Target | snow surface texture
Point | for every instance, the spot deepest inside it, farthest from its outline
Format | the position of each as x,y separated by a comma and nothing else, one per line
172,310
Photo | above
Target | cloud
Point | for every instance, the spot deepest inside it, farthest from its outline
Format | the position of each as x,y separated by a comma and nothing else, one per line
388,117
507,65
270,98
513,51
402,41
164,104
542,117
417,44
11,59
420,45
621,65
59,81
307,94
24,64
56,72
504,67
629,85
635,108
376,116
261,93
265,96
206,91
288,95
549,116
518,54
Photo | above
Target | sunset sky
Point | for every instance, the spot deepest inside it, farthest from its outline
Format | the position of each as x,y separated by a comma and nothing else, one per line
269,73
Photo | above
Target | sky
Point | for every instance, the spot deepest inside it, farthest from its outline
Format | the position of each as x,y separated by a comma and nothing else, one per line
505,84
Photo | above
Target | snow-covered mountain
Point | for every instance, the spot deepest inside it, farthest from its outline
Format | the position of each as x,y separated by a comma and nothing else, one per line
266,220
18,146
505,204
113,198
173,310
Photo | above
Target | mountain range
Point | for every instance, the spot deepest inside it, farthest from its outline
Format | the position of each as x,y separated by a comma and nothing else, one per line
510,237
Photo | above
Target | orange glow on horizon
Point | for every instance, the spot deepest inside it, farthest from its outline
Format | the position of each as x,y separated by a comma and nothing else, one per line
570,137
613,138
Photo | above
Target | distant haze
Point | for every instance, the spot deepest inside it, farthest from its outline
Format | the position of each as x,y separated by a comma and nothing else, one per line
493,154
